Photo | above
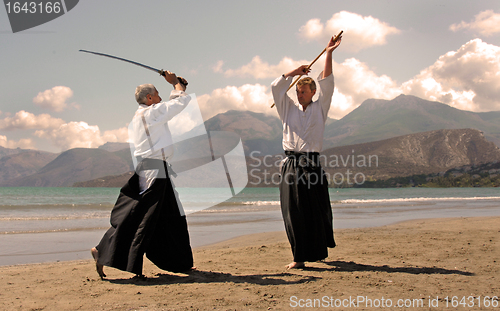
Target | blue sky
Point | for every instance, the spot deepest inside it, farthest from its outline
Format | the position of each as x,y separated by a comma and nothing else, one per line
55,98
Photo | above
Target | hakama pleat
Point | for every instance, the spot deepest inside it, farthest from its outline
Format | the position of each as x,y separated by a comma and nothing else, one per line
149,223
306,208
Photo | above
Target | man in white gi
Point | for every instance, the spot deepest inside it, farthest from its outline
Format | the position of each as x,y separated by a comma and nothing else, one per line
305,202
147,218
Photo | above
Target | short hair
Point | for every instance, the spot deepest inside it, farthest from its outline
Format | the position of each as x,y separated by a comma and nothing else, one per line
307,81
142,91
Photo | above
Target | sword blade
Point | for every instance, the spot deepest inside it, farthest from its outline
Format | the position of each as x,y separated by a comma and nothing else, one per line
125,60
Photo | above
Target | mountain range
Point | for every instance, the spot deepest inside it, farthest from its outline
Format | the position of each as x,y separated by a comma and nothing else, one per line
368,130
420,153
72,166
377,119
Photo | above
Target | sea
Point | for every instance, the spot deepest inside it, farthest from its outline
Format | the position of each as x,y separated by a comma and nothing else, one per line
58,224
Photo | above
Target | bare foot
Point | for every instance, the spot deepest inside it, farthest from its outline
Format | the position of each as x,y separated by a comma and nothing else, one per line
189,270
295,265
98,266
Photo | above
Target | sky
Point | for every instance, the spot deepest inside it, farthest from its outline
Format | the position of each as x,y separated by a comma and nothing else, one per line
54,98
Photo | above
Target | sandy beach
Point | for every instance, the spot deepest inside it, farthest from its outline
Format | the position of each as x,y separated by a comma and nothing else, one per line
431,264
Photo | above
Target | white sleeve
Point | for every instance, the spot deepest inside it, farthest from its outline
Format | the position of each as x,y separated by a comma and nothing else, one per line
282,101
326,87
165,111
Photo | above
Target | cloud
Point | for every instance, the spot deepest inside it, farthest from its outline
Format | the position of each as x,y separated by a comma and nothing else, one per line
313,30
81,135
24,143
487,23
355,82
218,67
114,136
361,31
255,98
262,70
55,98
466,79
23,120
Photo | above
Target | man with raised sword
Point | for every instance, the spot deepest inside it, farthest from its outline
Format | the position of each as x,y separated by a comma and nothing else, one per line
148,217
305,202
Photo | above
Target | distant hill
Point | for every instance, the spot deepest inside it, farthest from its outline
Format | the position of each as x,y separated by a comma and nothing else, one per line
23,163
71,166
481,175
258,131
7,151
377,119
112,147
421,153
114,181
373,120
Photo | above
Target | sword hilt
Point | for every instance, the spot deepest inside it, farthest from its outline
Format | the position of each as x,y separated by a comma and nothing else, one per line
180,79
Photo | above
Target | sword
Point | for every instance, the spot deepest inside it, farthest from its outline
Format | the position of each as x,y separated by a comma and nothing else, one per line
159,71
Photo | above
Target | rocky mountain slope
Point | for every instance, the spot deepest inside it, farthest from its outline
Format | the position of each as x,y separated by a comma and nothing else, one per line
24,163
377,119
371,122
74,165
421,153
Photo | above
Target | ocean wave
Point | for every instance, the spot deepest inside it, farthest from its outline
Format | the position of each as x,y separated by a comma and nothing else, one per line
52,230
258,203
62,217
98,206
420,199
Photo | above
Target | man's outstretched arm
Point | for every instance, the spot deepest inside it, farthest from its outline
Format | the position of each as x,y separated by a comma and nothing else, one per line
329,58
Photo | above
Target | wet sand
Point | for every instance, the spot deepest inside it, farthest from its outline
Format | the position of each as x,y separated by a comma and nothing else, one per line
416,263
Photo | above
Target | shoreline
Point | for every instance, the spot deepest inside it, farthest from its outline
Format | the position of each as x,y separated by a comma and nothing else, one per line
421,261
210,228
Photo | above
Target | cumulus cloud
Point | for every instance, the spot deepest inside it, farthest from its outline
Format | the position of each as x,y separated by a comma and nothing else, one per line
23,120
487,23
24,143
81,135
356,83
466,79
364,31
313,30
259,69
115,136
255,98
55,98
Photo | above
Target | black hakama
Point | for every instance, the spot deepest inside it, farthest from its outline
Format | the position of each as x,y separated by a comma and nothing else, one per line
305,206
149,223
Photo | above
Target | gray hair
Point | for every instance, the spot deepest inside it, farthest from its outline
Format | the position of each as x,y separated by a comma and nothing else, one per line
142,91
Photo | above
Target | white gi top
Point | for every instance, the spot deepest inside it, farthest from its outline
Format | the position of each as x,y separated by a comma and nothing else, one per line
303,130
160,138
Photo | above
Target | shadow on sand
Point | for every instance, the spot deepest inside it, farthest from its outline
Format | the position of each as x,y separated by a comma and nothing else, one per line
351,266
198,276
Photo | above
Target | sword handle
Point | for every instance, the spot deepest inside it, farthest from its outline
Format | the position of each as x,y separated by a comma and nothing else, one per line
180,79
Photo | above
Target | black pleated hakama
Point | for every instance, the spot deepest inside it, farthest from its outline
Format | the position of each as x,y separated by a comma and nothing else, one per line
149,223
305,206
